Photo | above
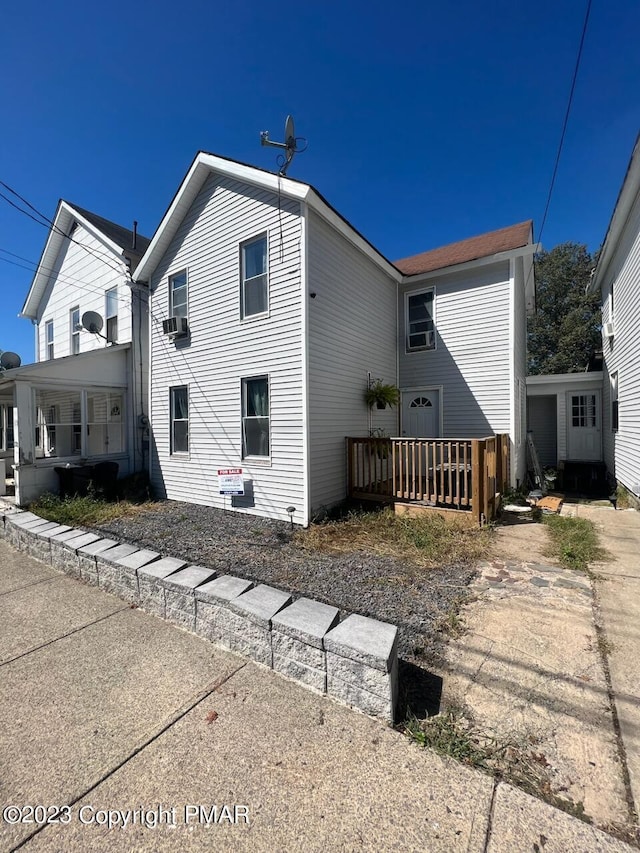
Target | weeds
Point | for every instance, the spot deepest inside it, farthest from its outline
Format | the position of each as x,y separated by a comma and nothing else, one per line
89,509
428,540
515,759
574,542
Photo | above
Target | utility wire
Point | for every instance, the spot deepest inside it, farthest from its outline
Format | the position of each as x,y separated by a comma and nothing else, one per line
566,118
50,224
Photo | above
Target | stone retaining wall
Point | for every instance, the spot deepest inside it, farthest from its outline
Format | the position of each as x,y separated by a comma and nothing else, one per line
354,661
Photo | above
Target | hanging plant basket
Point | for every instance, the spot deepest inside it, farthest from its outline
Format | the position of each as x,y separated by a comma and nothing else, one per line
381,395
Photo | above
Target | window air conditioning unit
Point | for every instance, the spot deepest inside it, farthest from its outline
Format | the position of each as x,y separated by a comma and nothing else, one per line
175,327
607,330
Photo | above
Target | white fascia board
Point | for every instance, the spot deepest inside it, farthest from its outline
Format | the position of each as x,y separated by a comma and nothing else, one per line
63,216
629,192
560,378
202,166
523,251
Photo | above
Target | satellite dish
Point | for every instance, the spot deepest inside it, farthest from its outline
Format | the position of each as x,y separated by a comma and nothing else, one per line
289,133
92,321
10,360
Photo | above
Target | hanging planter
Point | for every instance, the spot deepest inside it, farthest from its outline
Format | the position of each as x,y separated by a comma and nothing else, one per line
381,395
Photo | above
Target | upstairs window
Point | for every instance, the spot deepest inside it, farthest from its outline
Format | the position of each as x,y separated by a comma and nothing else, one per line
179,419
254,290
178,293
255,417
419,321
49,339
74,331
111,315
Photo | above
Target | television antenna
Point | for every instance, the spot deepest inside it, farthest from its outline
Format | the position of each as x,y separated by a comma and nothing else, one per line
10,360
289,146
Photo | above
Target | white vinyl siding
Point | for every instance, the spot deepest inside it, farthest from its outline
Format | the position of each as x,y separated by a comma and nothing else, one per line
352,333
622,447
472,358
81,279
223,350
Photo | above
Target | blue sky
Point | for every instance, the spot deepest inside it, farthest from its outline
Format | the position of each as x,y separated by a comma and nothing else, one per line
426,122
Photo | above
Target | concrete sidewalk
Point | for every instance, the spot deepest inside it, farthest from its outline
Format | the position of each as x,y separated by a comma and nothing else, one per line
104,707
618,595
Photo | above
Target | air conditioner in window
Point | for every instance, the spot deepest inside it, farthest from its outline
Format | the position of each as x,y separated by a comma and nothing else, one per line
175,327
607,330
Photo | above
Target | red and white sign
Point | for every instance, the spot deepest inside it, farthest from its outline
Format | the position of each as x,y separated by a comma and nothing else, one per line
230,481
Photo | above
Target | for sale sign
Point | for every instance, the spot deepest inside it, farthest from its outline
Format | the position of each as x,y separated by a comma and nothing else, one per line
230,481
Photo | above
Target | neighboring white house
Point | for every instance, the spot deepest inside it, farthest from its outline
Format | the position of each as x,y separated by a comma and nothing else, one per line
82,399
617,278
269,313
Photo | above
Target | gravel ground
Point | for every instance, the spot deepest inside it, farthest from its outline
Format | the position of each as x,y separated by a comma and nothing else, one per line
262,549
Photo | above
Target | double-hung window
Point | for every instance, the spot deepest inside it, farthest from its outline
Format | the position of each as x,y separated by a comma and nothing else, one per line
254,284
420,327
49,338
111,314
178,295
179,403
74,323
255,416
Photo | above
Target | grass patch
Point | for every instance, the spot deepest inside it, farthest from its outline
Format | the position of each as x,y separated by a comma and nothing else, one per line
427,540
88,510
573,541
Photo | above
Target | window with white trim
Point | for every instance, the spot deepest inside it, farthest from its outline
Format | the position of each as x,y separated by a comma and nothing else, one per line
614,402
74,330
583,410
419,321
178,294
255,417
179,402
48,328
254,278
111,315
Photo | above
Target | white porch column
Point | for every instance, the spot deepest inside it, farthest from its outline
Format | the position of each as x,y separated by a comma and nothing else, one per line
24,426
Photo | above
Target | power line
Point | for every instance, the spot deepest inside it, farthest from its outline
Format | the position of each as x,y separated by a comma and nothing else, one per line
566,118
50,225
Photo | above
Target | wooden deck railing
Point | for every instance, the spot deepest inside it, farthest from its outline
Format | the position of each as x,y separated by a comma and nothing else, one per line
465,474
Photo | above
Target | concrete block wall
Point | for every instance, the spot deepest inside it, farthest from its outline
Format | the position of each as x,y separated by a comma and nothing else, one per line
354,661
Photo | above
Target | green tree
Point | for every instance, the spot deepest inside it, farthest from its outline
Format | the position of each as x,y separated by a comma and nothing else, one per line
565,330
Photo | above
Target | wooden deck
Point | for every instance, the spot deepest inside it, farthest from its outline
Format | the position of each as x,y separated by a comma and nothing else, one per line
463,474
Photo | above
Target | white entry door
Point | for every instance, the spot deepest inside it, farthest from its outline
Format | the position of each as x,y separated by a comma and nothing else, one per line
421,414
584,426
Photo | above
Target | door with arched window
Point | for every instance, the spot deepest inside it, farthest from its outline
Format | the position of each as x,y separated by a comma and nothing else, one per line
421,414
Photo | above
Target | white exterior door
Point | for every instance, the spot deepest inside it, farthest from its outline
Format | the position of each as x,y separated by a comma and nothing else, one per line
584,426
421,414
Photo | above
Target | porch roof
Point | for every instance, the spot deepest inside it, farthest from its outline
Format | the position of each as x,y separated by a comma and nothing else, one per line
104,367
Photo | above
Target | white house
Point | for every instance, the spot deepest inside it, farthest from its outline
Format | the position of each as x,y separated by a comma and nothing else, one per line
84,397
617,279
269,314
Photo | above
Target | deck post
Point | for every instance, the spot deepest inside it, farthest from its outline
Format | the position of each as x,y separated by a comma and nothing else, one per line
350,478
477,479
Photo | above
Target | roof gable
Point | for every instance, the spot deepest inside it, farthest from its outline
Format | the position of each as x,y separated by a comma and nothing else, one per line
116,239
204,164
472,249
